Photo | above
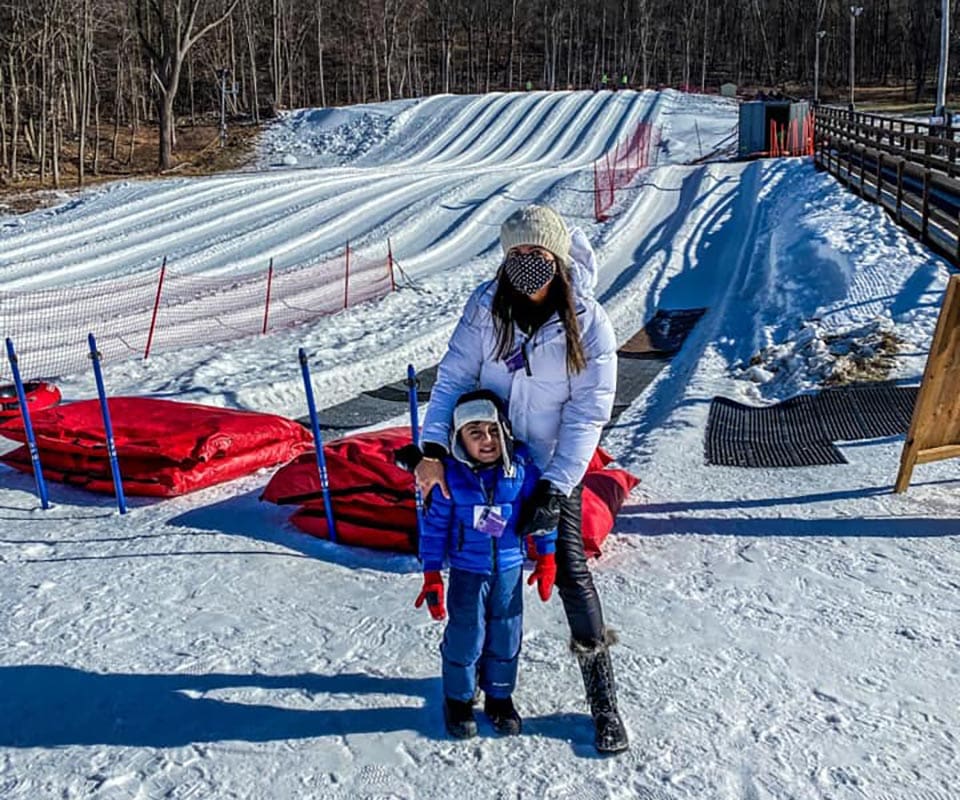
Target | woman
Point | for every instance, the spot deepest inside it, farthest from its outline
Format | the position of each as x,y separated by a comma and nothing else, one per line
537,338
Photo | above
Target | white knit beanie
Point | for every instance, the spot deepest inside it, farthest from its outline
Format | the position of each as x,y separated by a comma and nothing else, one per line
537,225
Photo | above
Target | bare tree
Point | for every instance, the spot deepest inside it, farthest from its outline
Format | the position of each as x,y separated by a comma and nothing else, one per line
166,29
68,66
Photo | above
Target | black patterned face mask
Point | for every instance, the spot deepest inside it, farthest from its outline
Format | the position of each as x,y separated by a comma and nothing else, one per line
528,272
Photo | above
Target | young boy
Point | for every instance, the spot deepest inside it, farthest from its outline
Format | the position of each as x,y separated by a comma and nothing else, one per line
488,476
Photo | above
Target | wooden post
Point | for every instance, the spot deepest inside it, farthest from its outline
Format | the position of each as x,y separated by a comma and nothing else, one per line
900,164
393,282
863,169
156,308
935,427
925,212
346,277
880,177
266,305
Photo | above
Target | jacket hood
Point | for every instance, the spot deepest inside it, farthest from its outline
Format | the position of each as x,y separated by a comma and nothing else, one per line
583,263
481,406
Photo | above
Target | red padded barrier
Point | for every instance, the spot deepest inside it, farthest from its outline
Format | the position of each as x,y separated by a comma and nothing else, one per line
164,448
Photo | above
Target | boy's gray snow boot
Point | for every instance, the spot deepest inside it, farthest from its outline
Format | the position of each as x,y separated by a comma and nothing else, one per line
597,670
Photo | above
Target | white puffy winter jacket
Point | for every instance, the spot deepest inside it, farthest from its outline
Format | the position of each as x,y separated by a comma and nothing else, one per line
559,416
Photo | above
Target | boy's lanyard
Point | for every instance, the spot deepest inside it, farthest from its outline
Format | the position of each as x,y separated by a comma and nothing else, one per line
489,518
490,492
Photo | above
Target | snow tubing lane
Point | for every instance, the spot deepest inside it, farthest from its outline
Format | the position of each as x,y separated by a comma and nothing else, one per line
39,396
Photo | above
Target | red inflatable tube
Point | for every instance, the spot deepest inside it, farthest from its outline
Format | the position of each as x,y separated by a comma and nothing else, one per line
39,396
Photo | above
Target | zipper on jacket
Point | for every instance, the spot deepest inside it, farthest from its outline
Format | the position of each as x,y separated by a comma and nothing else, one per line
526,361
490,492
460,537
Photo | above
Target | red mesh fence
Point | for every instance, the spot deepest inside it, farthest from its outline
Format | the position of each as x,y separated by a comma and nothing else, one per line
618,168
162,311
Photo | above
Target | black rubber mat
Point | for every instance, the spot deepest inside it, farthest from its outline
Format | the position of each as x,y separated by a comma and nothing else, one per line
375,406
800,432
789,434
638,363
664,334
866,411
633,376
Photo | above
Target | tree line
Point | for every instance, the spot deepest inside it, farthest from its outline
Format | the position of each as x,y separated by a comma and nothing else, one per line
79,78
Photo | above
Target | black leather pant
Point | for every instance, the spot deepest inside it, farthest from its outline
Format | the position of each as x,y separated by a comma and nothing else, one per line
574,581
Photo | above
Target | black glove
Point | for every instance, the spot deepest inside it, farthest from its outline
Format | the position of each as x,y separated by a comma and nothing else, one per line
408,456
542,510
434,450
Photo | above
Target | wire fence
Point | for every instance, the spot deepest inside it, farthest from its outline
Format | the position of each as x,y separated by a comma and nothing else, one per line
134,316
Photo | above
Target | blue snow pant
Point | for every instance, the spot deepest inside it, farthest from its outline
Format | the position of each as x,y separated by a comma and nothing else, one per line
482,638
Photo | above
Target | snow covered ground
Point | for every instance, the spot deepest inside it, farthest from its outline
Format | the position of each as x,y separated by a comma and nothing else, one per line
785,633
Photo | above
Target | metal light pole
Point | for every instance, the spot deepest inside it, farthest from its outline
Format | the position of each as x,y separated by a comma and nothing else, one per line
816,68
941,108
855,11
223,106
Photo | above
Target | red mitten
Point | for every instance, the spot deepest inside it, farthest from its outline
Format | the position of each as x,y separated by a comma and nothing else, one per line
544,575
432,592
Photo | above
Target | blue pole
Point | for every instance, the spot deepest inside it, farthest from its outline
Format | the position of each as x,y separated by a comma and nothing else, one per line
107,427
318,444
28,427
415,428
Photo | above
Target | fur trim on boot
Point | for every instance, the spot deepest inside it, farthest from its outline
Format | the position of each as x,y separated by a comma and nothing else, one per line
610,734
610,638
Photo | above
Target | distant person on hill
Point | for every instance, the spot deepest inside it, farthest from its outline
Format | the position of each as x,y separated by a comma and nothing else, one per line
529,86
604,81
476,530
623,81
536,337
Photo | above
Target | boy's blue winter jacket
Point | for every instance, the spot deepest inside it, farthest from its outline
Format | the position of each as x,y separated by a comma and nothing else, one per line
448,525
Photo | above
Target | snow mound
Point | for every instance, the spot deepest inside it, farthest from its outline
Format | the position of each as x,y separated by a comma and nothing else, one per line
826,357
324,137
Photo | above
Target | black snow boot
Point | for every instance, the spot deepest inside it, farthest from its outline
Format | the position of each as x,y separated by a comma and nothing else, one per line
458,716
597,669
503,715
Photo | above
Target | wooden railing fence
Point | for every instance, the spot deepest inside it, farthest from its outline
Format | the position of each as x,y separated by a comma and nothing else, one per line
910,168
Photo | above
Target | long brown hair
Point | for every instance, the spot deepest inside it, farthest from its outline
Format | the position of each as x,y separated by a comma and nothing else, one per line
560,298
